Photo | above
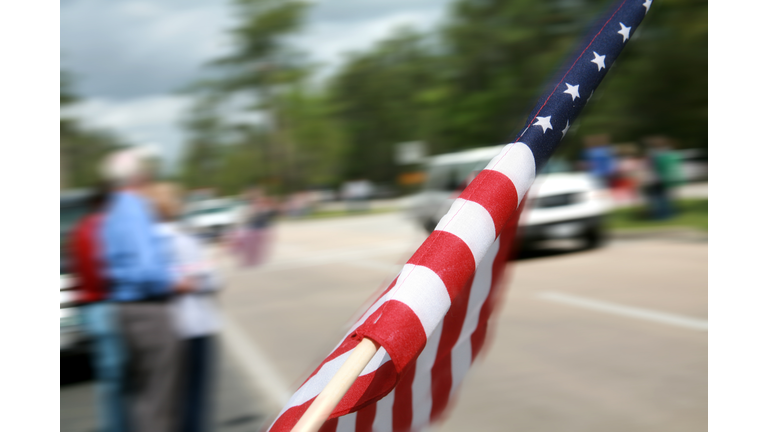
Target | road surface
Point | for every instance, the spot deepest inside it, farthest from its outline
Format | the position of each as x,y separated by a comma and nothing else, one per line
602,340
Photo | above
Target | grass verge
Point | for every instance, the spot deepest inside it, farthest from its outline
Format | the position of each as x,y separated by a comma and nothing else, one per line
338,213
692,213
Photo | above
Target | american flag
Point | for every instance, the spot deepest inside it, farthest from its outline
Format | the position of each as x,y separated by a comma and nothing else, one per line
432,320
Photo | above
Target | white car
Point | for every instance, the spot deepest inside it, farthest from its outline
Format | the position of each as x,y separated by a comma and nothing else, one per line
561,203
211,218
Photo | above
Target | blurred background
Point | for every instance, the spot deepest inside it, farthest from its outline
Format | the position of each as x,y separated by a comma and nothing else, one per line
329,136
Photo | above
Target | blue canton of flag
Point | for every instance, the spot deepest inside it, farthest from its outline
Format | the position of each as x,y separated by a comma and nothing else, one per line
557,109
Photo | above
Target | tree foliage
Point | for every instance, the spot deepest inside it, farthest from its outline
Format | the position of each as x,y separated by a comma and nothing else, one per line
470,82
293,143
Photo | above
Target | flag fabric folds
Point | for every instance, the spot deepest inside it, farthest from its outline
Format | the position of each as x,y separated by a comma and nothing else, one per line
432,320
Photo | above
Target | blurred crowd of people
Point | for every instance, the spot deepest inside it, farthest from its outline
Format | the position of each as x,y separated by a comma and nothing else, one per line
147,289
636,174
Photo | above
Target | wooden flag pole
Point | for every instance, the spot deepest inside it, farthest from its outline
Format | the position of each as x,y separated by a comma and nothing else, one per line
326,401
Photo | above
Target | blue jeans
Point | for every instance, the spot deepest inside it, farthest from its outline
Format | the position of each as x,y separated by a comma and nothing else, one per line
109,362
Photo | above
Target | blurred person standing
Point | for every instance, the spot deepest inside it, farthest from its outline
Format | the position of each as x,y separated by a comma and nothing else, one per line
298,204
256,234
665,166
598,159
629,172
138,268
195,312
100,315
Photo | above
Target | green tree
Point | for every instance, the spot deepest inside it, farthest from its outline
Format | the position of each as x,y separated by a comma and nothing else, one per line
263,73
469,84
500,55
385,97
80,149
201,162
659,85
473,82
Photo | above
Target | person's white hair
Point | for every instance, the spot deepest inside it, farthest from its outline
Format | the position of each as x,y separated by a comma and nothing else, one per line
127,165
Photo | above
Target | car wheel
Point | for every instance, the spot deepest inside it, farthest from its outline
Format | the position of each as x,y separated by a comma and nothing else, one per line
594,237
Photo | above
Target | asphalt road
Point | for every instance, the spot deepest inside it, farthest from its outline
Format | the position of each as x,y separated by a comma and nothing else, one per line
602,340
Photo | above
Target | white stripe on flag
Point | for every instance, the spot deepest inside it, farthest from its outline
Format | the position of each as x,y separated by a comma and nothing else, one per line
425,294
421,390
517,163
472,223
317,383
378,359
461,356
374,307
383,420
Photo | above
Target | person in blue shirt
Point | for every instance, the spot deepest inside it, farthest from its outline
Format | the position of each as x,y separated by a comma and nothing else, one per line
599,159
137,259
138,268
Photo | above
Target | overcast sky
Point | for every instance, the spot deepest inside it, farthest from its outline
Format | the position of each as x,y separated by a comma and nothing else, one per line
129,56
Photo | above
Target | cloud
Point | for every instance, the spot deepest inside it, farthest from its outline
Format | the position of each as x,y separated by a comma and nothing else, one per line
125,49
328,42
119,114
128,56
132,48
150,120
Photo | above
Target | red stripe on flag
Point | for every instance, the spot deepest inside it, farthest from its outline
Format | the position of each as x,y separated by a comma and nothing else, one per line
329,425
365,418
367,390
399,327
454,264
497,284
350,343
402,408
494,191
347,344
290,417
442,377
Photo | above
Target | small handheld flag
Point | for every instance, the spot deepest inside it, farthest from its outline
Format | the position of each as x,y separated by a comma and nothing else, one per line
429,325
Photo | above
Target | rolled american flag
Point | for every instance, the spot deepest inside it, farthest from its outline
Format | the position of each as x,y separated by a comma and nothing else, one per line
430,323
